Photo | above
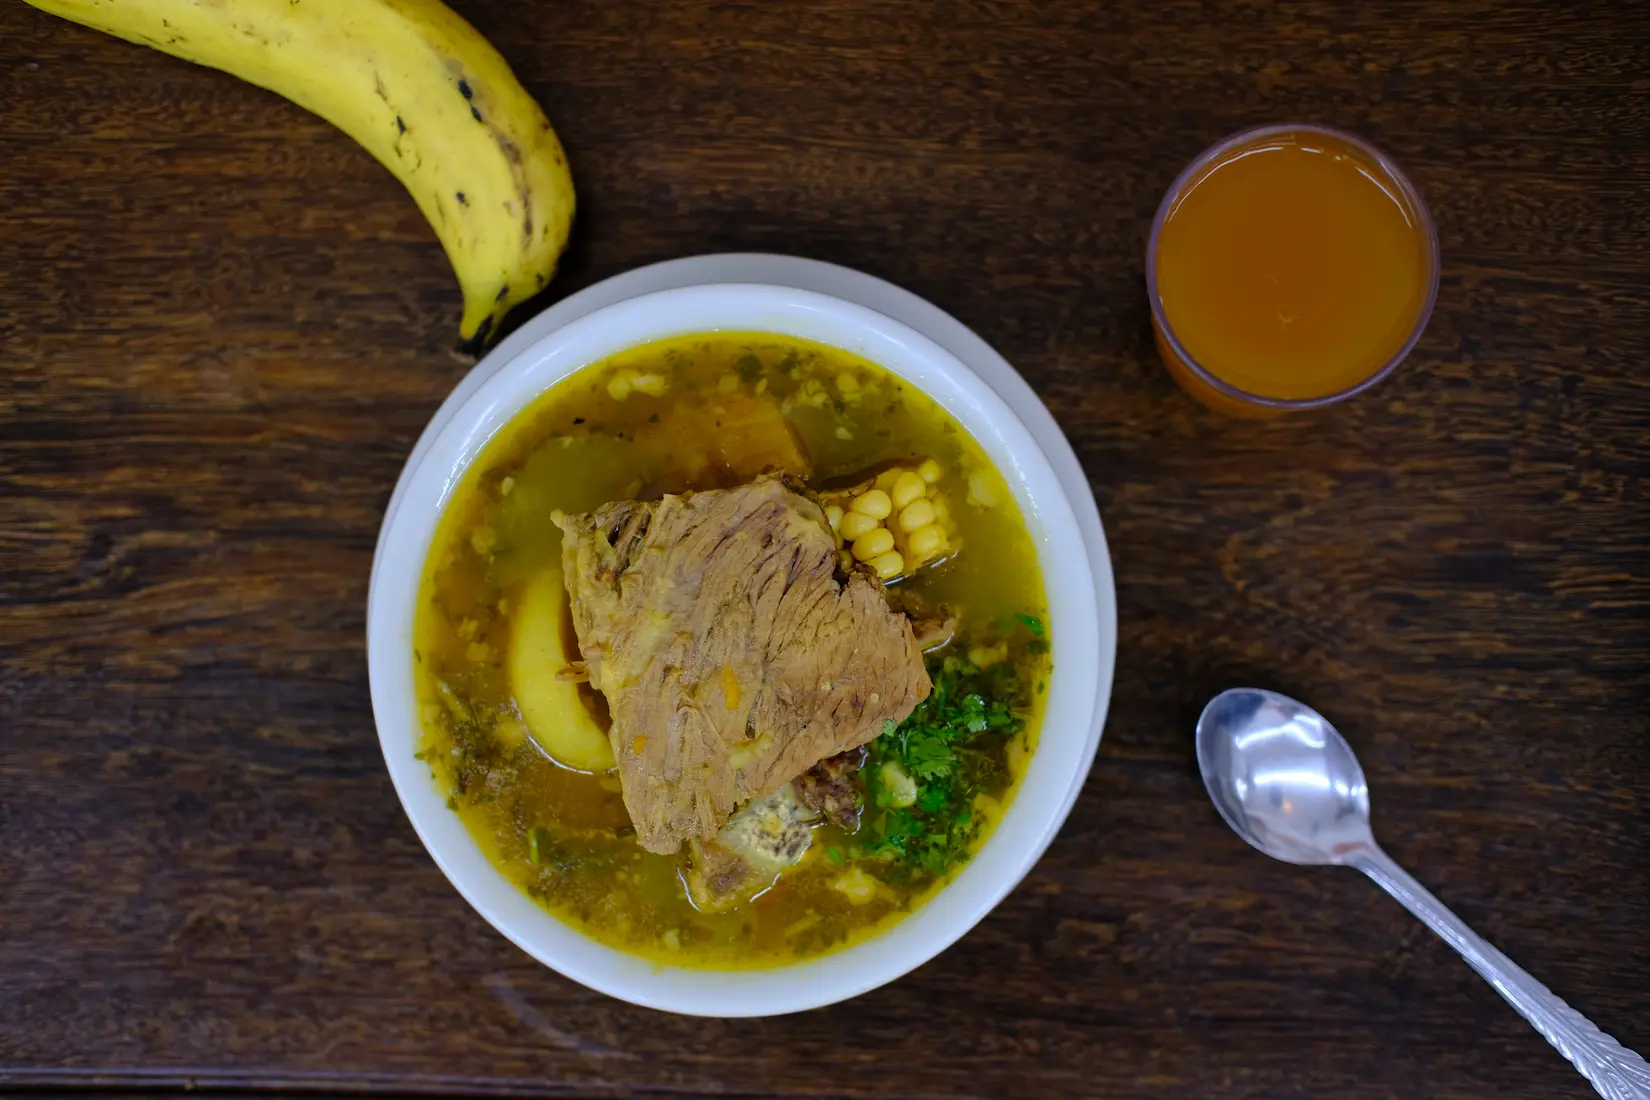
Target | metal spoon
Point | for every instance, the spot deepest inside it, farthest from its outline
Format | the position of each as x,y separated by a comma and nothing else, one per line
1287,782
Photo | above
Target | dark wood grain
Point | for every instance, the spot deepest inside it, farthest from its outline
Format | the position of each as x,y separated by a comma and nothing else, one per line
222,326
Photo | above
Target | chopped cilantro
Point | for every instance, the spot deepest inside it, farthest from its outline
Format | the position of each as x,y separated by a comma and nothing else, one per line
749,367
927,756
539,846
947,746
1033,624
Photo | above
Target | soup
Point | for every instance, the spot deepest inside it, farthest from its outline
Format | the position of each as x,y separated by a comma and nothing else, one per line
918,527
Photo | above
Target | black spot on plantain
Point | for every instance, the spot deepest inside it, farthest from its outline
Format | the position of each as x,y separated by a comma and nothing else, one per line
464,89
462,201
502,292
475,112
475,344
401,127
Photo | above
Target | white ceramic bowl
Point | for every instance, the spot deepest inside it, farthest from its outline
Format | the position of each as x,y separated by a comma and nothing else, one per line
1083,615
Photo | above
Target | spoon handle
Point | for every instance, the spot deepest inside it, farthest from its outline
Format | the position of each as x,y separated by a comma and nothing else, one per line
1616,1072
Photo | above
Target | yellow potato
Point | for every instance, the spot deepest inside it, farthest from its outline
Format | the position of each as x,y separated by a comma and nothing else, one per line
555,715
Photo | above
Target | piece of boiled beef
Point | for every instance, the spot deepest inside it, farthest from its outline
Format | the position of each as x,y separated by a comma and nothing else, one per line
733,653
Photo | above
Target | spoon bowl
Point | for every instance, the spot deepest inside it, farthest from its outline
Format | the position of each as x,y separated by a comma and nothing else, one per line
1284,779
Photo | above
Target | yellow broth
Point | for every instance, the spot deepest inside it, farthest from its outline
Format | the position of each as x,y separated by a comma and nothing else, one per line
668,417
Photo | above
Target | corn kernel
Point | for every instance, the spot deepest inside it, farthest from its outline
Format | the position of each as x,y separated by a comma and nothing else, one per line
986,656
889,565
855,524
833,516
856,885
925,542
920,514
618,387
845,559
873,544
653,385
942,510
907,488
886,479
874,503
930,471
980,489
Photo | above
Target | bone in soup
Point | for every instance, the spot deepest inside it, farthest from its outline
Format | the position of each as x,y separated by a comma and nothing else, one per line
731,650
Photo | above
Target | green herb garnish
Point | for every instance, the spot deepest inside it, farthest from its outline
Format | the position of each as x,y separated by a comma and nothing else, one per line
947,746
1033,624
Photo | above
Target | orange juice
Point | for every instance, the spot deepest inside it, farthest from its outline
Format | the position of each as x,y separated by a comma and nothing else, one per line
1289,266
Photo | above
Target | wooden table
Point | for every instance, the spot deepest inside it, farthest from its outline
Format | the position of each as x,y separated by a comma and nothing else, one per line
222,326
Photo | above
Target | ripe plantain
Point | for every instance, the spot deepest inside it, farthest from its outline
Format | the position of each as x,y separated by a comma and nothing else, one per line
416,86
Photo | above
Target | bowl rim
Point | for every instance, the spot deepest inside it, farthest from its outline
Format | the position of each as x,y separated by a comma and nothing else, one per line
435,471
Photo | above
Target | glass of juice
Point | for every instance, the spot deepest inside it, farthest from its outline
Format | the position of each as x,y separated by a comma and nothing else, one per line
1288,267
